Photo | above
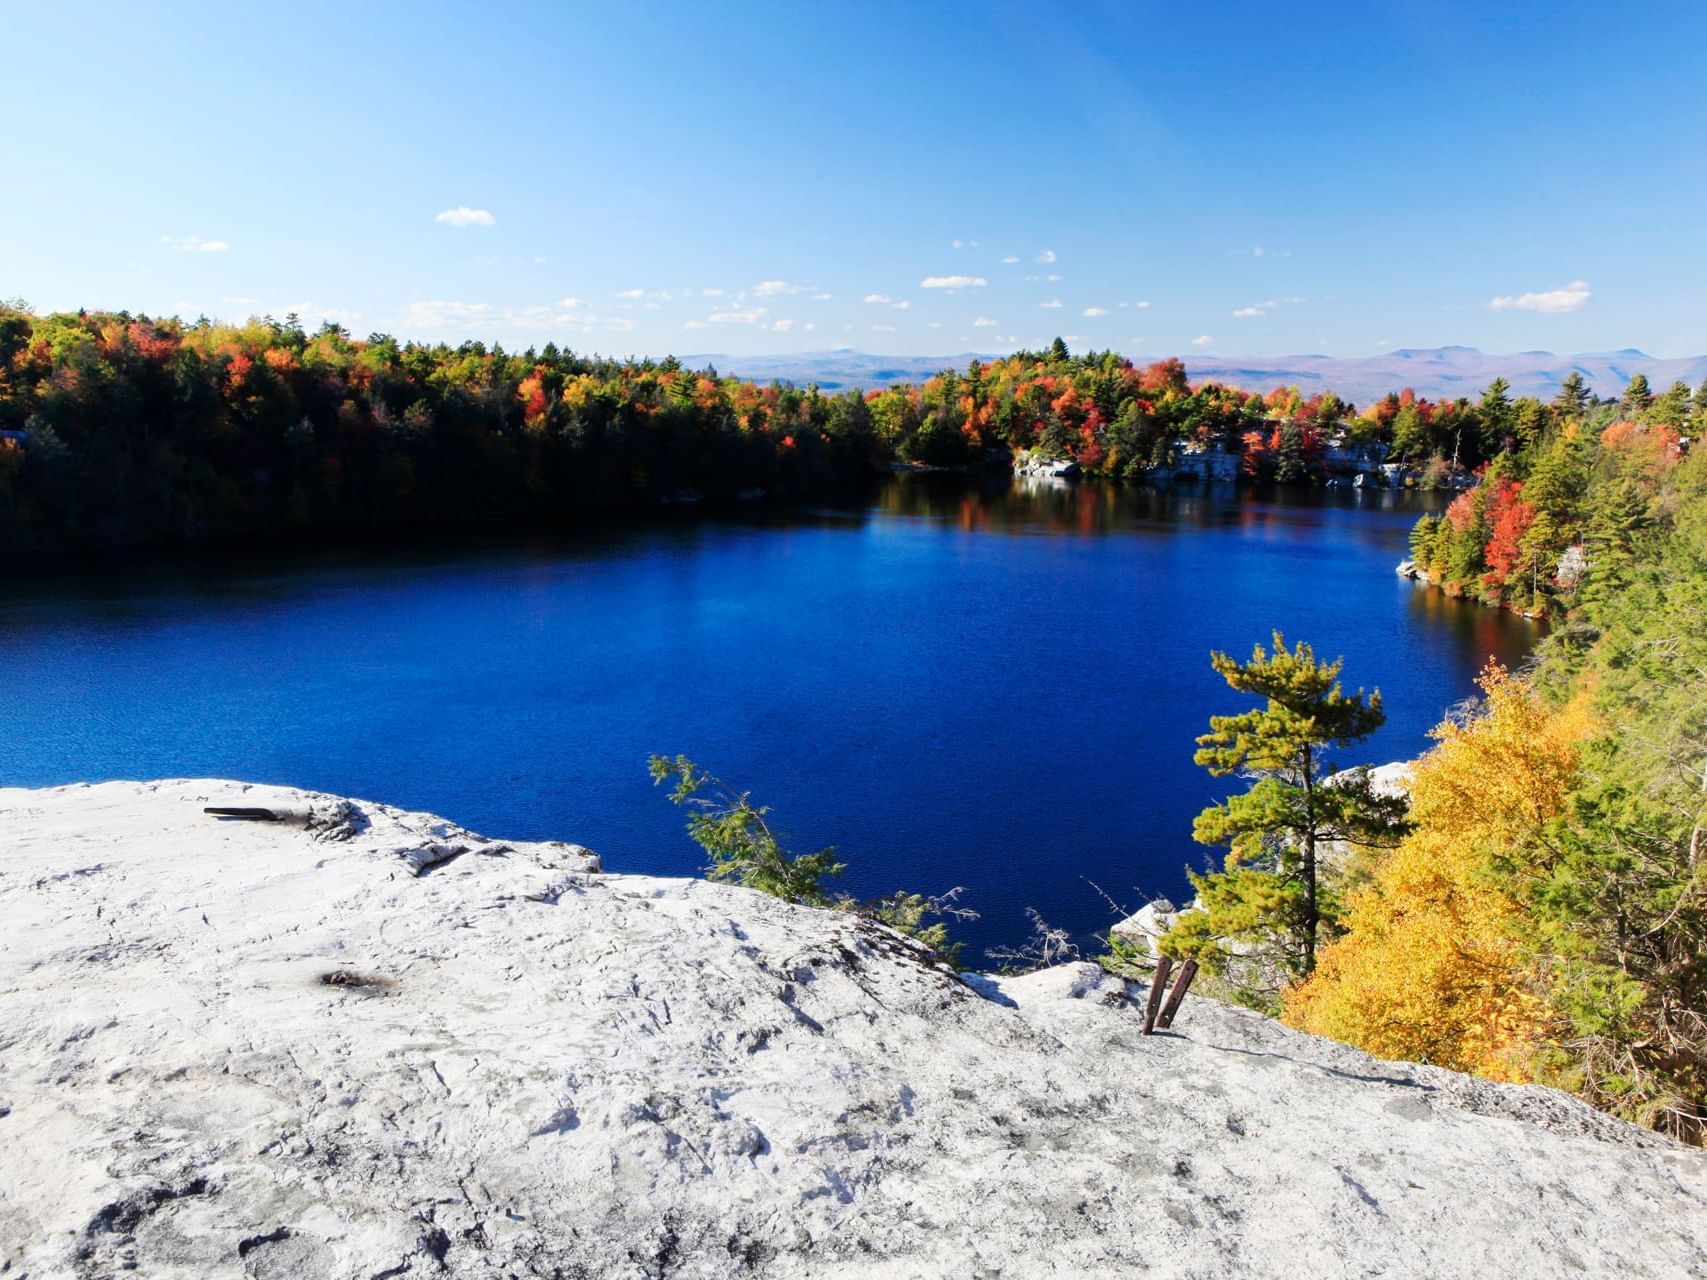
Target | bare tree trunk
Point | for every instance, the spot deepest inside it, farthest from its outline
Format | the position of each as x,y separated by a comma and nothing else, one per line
1312,912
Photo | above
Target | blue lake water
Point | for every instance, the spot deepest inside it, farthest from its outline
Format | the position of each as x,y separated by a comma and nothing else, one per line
959,684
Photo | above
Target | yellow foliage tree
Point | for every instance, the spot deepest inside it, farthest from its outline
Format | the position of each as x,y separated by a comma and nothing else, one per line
1434,966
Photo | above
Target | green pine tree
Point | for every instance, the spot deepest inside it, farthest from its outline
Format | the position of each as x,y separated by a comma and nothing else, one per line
1272,899
1637,396
1289,465
1572,400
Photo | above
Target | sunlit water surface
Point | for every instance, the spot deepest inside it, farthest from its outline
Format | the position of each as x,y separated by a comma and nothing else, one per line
958,684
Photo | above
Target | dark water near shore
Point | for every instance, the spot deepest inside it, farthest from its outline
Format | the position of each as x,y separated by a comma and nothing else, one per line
956,685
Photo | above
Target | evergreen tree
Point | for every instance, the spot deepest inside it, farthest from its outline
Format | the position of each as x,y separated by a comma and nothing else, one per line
1289,462
1270,899
1672,408
1411,438
1637,396
1528,421
1572,400
1496,417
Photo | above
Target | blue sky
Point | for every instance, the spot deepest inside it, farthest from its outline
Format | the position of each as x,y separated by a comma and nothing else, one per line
1243,178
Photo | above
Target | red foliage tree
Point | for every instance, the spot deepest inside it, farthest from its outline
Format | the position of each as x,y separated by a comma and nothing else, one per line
1509,518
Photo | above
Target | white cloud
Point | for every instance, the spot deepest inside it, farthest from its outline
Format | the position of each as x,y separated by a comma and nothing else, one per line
737,315
463,216
437,316
1263,308
809,326
935,324
1096,311
1048,255
1143,306
439,313
1010,259
571,313
953,282
822,297
780,326
902,305
632,293
1202,340
776,288
1074,337
1053,277
1570,297
694,324
984,322
312,316
1054,304
878,297
963,244
883,328
195,244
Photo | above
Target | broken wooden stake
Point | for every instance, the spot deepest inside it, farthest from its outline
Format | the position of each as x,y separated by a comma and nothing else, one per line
1187,972
245,815
1158,983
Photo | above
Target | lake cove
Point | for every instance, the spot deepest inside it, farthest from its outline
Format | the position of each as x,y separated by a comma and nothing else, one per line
994,686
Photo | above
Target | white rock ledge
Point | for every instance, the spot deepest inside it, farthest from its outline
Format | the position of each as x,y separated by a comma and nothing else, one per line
528,1068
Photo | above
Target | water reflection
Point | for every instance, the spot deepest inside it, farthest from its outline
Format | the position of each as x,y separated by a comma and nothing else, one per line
965,681
1040,504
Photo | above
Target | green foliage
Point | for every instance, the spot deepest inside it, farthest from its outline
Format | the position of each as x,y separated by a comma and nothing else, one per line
744,850
742,847
1273,900
1620,892
1424,535
1637,396
907,913
1573,397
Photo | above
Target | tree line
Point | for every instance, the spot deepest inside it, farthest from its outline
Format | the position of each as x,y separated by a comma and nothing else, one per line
121,430
1578,489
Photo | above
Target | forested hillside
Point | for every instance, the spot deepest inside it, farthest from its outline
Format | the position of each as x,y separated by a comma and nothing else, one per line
118,430
1546,917
1582,487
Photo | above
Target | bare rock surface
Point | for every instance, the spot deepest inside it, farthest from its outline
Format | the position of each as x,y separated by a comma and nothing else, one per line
367,1043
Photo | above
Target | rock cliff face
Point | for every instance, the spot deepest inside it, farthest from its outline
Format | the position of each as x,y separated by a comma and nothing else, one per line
366,1043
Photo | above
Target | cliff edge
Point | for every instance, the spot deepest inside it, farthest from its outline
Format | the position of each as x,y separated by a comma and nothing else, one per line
362,1043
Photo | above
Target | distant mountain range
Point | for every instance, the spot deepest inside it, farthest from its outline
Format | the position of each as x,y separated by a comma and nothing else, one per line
1435,372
